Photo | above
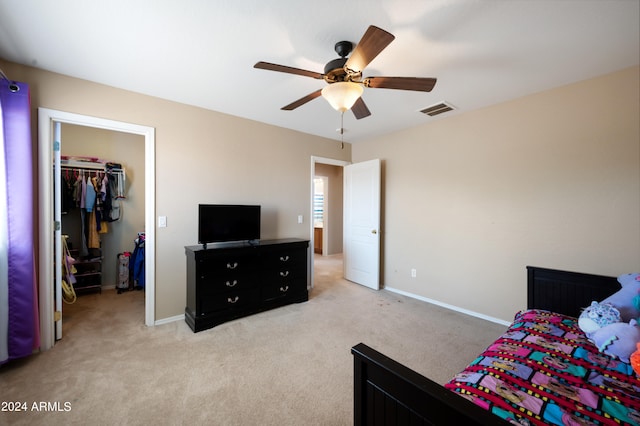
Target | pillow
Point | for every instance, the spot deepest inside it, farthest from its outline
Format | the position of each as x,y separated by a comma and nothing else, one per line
618,340
623,299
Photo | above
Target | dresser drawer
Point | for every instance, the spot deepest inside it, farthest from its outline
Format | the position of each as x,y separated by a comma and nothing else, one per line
212,283
230,300
226,264
285,257
284,273
283,289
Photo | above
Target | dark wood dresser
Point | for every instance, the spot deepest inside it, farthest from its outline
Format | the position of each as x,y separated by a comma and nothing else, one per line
229,281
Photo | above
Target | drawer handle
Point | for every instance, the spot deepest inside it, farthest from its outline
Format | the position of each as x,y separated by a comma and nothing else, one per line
234,300
284,289
234,266
284,258
284,274
231,283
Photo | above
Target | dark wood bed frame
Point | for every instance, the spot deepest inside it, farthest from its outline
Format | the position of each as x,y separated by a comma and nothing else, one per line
388,393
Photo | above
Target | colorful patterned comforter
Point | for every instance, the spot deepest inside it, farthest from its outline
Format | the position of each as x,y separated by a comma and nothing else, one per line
543,370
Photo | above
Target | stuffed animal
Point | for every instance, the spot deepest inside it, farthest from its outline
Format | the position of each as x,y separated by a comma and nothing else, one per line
625,299
635,360
619,339
598,315
622,306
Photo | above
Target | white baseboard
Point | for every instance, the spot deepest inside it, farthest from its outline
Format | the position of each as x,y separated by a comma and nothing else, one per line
451,307
169,320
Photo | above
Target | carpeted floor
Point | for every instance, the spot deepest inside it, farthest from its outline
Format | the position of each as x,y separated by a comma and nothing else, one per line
288,366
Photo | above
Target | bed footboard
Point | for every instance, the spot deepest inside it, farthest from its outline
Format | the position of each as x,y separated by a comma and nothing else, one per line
388,393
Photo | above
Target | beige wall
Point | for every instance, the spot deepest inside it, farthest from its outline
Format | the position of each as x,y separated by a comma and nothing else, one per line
551,179
201,156
128,150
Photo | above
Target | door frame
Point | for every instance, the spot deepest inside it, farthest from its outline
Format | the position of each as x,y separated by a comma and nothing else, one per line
325,216
46,118
314,160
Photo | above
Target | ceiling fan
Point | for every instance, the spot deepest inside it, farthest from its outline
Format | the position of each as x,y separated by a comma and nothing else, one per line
344,75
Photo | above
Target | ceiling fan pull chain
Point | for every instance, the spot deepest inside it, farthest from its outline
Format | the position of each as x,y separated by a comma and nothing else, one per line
342,130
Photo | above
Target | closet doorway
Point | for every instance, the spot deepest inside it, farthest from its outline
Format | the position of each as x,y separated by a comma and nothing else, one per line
47,147
80,144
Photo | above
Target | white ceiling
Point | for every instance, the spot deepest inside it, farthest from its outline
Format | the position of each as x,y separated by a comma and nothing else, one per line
202,52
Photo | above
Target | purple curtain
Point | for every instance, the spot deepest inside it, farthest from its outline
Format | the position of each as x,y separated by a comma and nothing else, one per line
19,324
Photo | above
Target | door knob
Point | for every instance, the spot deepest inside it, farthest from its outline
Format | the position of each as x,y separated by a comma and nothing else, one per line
373,231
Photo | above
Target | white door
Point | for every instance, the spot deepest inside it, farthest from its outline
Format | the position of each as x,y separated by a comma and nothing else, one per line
361,249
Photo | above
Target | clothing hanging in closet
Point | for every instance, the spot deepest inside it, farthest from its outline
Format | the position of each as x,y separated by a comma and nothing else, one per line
96,194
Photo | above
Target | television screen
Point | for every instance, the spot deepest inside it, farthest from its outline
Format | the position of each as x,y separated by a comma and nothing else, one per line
224,222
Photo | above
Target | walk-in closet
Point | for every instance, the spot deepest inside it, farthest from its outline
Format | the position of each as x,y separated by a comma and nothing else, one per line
102,213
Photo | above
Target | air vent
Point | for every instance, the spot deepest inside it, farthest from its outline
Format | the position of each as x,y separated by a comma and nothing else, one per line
437,109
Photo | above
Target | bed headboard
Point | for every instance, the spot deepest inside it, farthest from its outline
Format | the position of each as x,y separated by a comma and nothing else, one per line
566,292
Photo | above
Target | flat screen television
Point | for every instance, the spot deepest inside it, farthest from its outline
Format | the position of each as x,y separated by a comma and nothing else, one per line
219,223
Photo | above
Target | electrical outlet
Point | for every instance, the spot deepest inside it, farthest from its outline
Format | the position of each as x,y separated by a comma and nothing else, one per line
413,273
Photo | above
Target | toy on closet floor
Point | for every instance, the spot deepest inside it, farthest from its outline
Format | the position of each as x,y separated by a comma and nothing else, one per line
136,263
123,272
612,324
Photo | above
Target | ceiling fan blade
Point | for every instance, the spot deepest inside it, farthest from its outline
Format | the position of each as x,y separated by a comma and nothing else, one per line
289,70
403,83
360,109
302,101
371,44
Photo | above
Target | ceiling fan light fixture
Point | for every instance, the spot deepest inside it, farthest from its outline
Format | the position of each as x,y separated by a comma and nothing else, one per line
342,95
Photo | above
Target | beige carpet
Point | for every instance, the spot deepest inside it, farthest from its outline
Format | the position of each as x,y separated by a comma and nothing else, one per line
288,366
